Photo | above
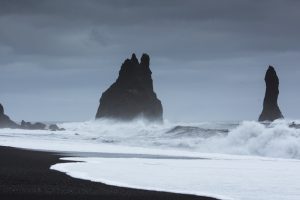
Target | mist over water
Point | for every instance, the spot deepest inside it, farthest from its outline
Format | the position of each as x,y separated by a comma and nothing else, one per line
240,138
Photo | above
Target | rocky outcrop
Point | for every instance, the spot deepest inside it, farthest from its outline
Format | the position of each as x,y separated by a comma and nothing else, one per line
5,121
132,94
35,126
271,109
54,127
294,125
40,126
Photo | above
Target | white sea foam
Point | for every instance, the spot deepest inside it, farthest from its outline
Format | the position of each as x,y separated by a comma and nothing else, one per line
246,138
246,160
252,138
235,178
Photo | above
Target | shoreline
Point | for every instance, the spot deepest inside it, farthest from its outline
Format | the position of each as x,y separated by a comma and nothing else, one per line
26,174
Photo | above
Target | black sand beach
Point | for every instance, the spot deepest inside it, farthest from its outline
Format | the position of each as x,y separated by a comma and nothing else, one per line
25,174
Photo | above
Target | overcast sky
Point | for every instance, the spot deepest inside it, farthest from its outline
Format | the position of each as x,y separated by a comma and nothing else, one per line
208,57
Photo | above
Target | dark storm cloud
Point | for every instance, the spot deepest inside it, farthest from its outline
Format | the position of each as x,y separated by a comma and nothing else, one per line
69,47
207,28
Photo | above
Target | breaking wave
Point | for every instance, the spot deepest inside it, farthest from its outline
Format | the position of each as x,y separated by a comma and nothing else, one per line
242,138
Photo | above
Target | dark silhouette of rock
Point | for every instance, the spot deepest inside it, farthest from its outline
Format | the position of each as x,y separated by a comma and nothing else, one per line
35,126
54,127
40,126
294,125
271,110
5,121
132,94
25,124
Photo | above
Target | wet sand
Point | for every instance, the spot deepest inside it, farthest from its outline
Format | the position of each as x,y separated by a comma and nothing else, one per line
25,174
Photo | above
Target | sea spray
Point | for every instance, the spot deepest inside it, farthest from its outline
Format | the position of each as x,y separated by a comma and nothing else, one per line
253,138
246,138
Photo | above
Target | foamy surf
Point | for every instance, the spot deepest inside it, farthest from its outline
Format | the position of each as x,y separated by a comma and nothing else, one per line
243,179
246,160
246,138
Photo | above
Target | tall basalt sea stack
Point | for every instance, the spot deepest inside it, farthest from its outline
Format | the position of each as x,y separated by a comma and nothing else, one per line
271,110
132,95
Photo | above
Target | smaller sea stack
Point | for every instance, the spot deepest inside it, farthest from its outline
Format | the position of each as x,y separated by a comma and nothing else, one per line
132,95
5,121
271,109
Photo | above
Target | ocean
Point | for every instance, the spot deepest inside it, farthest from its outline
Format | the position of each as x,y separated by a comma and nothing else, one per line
228,160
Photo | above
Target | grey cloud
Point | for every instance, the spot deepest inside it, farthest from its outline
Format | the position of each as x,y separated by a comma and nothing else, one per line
203,52
86,27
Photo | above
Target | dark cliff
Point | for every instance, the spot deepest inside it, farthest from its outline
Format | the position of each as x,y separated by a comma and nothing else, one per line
132,94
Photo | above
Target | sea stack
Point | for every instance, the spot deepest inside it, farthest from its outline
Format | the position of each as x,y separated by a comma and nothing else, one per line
271,110
132,95
5,121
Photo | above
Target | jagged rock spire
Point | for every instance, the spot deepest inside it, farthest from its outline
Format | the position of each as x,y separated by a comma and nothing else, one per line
271,109
132,94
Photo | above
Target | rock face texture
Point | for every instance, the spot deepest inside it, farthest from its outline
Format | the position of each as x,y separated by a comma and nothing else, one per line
132,94
271,110
5,121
